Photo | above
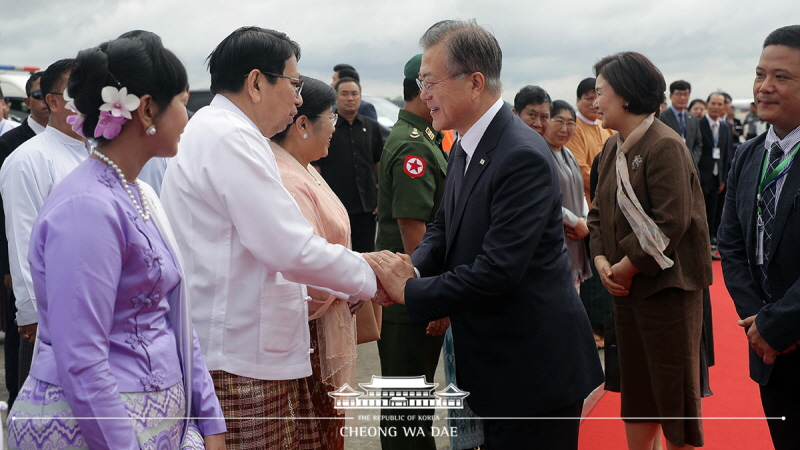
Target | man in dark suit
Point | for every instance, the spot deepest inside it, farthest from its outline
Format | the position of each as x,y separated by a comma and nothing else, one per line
347,71
352,165
494,259
679,119
715,158
33,125
761,270
687,125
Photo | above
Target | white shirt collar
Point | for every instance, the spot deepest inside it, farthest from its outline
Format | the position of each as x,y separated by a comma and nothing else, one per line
676,112
787,144
471,139
584,119
66,140
712,121
225,103
35,125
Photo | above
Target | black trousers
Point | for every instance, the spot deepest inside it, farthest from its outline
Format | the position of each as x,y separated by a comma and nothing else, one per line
11,346
534,433
405,350
362,231
781,398
711,212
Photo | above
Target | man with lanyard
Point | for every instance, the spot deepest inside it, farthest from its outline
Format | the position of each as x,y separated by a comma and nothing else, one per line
712,167
757,237
679,119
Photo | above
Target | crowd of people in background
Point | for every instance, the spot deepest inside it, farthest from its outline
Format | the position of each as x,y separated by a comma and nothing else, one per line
224,268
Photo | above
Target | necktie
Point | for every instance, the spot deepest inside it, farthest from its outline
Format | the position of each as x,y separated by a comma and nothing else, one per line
715,133
682,121
770,202
457,169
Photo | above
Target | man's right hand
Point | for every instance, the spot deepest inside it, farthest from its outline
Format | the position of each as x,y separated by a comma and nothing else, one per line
28,332
7,282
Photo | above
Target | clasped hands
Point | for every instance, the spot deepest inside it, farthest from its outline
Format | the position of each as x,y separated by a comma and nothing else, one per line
759,344
618,278
392,270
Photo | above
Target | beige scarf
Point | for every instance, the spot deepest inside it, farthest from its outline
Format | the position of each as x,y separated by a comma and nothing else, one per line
336,325
651,238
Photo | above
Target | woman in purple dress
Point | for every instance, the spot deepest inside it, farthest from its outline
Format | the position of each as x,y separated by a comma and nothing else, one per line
117,365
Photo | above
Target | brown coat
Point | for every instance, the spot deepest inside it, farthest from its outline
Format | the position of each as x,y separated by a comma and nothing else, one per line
663,177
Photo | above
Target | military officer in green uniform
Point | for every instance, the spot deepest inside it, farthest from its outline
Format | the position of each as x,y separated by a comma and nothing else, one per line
410,188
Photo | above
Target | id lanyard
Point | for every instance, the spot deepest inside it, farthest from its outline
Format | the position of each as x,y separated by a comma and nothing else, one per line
764,183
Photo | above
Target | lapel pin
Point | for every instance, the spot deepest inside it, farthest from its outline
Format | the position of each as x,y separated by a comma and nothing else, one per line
482,161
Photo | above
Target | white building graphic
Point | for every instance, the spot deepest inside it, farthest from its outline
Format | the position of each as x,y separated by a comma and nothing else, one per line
398,393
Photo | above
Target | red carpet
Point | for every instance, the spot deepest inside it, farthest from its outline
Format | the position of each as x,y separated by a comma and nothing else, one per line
727,415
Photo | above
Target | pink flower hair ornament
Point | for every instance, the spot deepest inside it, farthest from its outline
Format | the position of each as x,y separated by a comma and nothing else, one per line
77,119
109,126
113,113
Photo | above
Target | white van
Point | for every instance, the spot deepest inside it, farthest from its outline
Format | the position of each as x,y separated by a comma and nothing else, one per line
12,81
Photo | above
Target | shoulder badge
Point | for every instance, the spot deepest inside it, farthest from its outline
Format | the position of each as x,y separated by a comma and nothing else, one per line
414,133
430,134
414,166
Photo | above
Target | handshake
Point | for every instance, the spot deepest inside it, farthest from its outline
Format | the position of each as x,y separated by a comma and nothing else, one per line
392,271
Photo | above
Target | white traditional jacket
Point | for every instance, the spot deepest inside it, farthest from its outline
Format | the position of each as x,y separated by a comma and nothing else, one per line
248,250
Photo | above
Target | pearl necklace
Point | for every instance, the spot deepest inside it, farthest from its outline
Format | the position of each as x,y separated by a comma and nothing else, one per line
144,214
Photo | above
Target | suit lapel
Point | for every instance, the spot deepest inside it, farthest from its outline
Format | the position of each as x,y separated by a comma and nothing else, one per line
746,202
477,165
668,117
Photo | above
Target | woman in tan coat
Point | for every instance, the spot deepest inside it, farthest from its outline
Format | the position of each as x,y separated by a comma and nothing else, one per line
648,227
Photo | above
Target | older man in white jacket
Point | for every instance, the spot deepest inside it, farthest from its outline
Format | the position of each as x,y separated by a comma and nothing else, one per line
248,250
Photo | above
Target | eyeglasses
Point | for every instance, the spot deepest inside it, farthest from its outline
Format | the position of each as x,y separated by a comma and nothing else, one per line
559,123
334,117
425,86
37,95
298,83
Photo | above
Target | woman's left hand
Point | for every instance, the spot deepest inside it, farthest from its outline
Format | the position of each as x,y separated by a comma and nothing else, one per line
215,441
579,231
623,272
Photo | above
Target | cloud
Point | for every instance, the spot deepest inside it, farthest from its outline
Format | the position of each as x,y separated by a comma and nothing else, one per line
551,43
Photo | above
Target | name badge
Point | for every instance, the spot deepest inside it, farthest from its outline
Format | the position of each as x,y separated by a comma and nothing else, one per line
715,153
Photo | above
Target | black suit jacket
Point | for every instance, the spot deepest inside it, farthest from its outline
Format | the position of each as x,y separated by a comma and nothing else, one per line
8,143
692,139
708,181
778,318
496,264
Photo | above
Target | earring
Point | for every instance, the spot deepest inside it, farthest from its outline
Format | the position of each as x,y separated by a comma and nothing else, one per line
151,130
305,135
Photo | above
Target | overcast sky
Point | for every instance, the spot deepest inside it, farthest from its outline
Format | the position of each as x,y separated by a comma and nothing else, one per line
712,44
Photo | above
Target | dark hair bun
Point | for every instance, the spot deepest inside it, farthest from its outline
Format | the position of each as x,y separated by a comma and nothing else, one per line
136,61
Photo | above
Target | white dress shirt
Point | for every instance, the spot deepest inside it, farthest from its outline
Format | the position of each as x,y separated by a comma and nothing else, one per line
7,125
26,179
153,173
246,248
38,129
472,137
787,145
